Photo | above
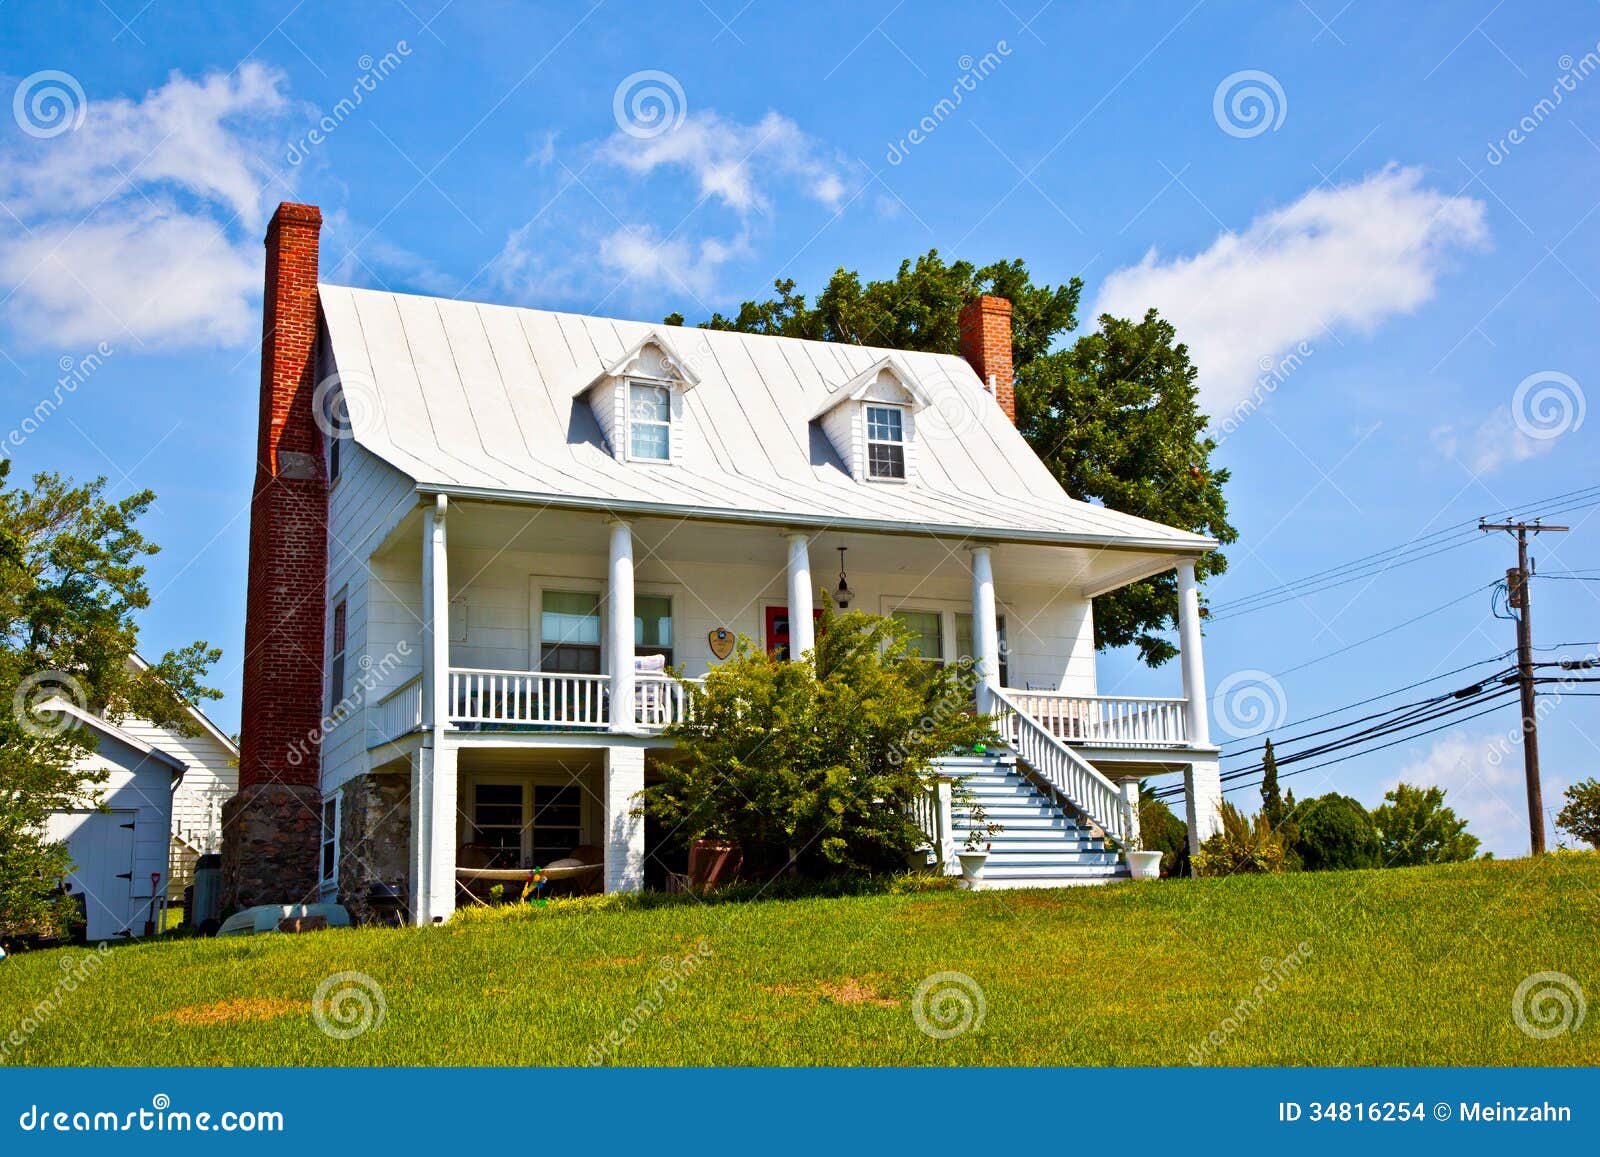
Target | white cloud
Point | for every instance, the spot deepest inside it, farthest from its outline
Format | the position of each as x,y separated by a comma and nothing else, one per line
1349,256
738,164
146,220
1483,780
1498,441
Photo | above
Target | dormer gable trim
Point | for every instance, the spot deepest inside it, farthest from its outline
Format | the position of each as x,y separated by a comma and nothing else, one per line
858,387
639,363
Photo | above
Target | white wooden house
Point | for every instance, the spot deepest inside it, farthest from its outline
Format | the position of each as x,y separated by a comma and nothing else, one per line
522,503
158,809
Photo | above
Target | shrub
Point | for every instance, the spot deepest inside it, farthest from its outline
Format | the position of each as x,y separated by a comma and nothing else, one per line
816,763
1336,833
1246,844
1581,815
1160,830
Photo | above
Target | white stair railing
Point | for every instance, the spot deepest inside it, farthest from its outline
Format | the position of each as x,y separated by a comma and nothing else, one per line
1073,777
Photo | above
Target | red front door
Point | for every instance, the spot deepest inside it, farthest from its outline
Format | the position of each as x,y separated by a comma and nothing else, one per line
778,630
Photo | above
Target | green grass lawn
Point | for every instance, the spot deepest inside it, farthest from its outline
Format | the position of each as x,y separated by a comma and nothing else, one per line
1408,967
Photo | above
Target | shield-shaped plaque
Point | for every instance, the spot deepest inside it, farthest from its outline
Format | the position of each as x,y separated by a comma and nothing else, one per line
721,640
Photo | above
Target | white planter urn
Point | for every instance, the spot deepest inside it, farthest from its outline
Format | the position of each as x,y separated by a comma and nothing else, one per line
1144,865
972,864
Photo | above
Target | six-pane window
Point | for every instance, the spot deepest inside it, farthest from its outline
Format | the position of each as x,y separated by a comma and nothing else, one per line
497,823
886,448
650,422
926,634
569,632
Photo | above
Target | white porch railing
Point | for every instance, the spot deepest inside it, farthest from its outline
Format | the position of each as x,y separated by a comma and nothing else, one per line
397,713
660,700
932,812
1110,720
508,698
1073,777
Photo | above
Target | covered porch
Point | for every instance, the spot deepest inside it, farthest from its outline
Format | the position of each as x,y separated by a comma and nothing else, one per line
537,631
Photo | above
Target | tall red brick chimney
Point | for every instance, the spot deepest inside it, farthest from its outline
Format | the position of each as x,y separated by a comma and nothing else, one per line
986,343
272,828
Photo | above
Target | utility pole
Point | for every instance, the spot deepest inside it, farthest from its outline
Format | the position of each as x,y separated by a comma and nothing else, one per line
1520,598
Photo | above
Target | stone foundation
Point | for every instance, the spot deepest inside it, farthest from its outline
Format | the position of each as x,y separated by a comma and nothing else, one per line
374,840
271,841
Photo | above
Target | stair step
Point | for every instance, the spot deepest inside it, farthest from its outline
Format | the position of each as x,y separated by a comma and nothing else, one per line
1063,847
1042,864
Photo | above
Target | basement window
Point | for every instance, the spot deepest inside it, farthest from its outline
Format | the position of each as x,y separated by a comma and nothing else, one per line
330,844
886,443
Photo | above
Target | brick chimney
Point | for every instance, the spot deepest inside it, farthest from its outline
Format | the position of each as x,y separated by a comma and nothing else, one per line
986,343
272,828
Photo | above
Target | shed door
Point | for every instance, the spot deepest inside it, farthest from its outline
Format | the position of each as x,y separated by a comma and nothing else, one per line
101,846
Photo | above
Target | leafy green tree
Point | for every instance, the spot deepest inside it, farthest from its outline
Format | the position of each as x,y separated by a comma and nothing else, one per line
1580,816
816,763
1414,827
1160,830
71,580
1271,796
1335,832
1114,415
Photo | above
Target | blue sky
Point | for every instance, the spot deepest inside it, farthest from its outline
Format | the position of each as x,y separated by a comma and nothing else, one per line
1386,204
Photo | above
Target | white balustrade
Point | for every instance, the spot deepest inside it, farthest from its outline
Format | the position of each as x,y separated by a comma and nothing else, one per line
1109,720
1073,777
509,698
398,713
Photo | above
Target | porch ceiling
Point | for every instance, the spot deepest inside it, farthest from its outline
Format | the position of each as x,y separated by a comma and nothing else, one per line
499,527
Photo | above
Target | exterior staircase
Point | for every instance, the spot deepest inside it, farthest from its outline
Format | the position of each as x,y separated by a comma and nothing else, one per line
1043,845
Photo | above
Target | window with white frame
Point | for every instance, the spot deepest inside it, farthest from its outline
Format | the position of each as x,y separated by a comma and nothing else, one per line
336,656
330,842
886,442
569,632
967,642
649,422
652,626
925,633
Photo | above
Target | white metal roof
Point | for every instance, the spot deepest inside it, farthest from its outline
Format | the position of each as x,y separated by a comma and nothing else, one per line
479,399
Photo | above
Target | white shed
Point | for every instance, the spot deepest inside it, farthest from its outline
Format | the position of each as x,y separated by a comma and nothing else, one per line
119,852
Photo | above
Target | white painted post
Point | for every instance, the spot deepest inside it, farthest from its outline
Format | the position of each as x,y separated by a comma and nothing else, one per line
1132,841
433,849
802,632
624,835
619,602
947,830
1202,790
985,628
1194,671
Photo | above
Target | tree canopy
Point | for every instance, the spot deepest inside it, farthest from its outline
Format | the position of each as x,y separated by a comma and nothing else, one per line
1114,414
71,582
1414,827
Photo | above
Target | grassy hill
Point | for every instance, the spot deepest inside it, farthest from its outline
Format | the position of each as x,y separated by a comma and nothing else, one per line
1397,967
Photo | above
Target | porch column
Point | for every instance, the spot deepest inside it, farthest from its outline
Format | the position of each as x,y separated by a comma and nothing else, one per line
619,601
802,633
985,628
433,794
1194,671
1202,793
624,835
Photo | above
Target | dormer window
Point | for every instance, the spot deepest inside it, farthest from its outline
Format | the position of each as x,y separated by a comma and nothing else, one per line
649,422
637,401
886,442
